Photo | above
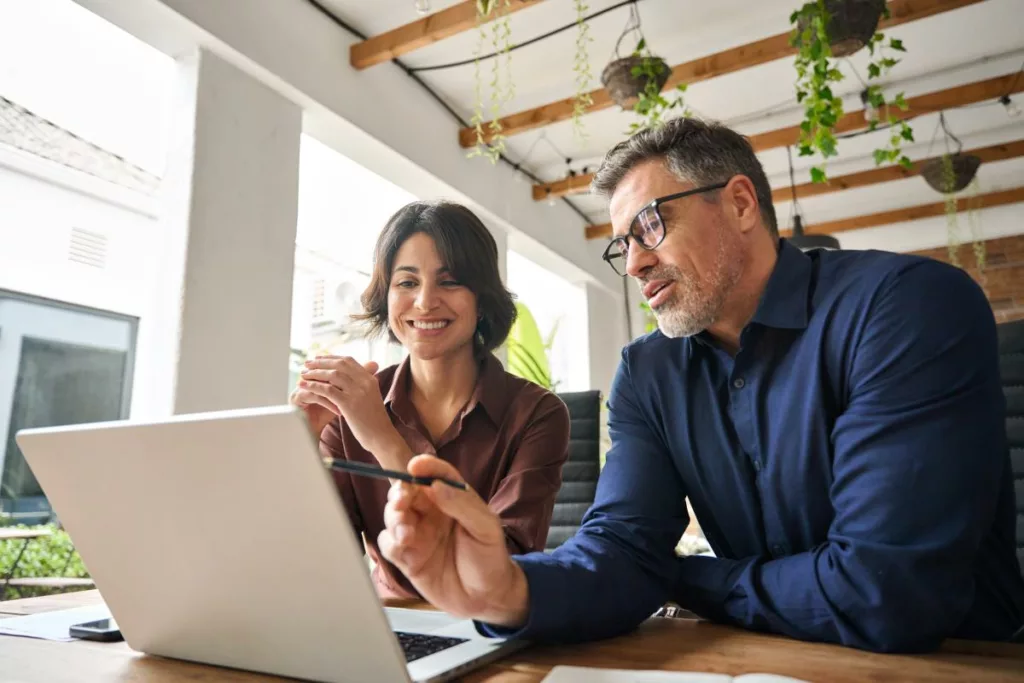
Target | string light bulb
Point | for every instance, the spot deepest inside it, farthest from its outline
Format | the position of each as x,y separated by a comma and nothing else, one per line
422,6
1012,110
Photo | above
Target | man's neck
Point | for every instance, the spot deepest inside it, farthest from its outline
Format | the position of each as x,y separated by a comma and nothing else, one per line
743,301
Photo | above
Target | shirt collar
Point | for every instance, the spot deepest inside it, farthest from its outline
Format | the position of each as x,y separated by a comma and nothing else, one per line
784,303
490,390
786,298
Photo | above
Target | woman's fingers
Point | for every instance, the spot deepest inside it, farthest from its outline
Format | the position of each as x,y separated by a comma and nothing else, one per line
324,392
304,397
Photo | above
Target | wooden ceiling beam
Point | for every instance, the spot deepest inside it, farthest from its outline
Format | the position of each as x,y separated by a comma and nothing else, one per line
705,68
913,213
875,176
874,220
989,89
420,33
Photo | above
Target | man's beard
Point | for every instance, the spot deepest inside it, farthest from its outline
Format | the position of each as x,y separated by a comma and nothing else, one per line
696,303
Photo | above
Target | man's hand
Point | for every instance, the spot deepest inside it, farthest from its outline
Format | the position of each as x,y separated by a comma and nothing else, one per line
451,547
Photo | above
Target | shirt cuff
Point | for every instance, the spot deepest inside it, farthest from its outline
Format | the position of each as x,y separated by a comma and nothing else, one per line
704,585
545,614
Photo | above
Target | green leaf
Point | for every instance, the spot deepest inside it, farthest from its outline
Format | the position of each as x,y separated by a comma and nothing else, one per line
907,133
834,75
900,102
641,45
818,175
805,151
906,163
896,44
874,71
681,87
888,63
637,71
881,156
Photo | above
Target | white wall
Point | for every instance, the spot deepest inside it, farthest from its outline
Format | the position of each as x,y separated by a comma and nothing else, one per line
36,219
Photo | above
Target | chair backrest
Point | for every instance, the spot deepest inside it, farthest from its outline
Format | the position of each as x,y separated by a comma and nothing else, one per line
580,472
1011,368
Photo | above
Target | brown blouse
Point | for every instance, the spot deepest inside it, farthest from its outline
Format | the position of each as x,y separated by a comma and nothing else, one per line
509,443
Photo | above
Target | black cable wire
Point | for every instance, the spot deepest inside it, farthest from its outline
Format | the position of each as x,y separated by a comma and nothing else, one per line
464,62
358,34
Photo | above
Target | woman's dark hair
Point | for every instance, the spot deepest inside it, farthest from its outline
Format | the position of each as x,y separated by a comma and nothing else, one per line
467,250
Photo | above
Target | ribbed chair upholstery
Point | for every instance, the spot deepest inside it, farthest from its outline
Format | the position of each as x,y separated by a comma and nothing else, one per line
1011,368
580,472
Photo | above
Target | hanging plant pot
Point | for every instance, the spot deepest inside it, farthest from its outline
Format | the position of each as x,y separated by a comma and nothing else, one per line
941,178
626,78
851,24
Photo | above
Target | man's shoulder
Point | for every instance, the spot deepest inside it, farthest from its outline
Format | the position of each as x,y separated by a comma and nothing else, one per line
859,278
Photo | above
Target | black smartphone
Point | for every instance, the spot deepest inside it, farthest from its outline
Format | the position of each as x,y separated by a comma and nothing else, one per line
104,630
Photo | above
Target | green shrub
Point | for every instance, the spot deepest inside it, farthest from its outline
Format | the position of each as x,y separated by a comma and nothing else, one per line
45,556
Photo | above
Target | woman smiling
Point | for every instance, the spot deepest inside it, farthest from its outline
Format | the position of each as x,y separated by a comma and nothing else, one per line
436,290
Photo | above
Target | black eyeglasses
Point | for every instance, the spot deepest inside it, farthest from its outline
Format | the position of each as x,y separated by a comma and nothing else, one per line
647,228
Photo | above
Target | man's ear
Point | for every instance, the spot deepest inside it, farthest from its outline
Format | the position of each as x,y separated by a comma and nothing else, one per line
742,201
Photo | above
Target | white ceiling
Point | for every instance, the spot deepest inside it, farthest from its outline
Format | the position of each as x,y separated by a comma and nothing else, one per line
954,48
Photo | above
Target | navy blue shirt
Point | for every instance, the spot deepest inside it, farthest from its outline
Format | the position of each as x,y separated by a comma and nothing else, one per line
848,466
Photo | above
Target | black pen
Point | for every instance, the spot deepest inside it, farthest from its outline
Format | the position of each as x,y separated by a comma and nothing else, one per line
381,473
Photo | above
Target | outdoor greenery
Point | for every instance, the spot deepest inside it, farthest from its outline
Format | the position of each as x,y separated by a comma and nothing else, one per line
650,321
52,555
528,351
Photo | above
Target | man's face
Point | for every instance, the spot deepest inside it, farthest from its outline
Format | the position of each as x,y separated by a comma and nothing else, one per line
688,277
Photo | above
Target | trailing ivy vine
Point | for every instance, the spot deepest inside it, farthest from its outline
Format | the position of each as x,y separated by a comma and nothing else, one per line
502,88
652,105
581,68
817,75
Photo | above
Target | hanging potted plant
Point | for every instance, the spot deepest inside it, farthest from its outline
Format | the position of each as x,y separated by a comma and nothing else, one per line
636,81
949,174
824,30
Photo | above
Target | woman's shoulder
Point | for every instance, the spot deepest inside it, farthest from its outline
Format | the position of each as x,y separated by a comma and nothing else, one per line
533,399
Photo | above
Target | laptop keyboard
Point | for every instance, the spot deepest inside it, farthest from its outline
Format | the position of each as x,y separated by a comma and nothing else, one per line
419,645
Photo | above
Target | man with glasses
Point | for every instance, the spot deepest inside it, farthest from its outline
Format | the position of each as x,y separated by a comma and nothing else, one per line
835,418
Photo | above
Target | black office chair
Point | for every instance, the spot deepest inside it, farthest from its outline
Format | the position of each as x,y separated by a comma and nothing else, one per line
1011,368
580,472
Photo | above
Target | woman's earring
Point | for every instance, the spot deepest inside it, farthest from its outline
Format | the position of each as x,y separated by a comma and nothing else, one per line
479,337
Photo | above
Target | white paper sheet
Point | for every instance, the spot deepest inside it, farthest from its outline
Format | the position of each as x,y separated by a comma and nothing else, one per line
581,674
52,625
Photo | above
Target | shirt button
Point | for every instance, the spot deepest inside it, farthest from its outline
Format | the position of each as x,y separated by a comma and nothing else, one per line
739,383
778,551
757,465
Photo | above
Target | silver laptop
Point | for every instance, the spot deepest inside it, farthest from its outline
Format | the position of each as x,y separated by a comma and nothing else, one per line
220,538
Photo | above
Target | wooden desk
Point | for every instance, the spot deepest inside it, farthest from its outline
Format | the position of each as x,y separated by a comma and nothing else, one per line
670,644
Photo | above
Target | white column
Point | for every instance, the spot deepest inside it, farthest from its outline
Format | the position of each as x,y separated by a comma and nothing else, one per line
217,336
606,334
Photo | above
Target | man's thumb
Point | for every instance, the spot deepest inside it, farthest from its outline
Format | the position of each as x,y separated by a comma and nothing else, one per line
371,367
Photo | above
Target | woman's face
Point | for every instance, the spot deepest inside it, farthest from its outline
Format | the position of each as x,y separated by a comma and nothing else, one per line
429,311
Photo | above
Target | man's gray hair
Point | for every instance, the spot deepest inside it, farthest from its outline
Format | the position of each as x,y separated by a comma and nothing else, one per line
695,151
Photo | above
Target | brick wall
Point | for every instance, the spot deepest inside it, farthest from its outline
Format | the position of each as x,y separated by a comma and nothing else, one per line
1003,279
